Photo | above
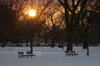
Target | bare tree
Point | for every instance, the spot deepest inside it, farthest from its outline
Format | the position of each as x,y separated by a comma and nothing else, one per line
90,15
54,20
34,23
4,4
7,16
73,13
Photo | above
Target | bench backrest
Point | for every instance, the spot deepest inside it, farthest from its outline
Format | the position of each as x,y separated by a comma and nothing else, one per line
28,53
20,53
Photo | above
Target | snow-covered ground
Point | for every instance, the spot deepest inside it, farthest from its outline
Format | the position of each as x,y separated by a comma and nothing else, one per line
46,56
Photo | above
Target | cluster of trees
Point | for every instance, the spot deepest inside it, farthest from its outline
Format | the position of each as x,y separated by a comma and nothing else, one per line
56,20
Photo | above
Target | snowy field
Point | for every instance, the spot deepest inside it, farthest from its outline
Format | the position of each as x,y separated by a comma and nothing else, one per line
46,56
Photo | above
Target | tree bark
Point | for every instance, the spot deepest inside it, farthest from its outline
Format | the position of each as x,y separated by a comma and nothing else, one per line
70,42
84,41
4,40
52,39
31,44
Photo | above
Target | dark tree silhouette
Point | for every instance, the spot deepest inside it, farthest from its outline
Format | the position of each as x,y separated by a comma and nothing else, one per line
90,16
7,17
72,17
54,20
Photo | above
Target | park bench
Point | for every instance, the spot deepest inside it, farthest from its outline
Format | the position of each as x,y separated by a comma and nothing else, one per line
68,53
21,54
29,54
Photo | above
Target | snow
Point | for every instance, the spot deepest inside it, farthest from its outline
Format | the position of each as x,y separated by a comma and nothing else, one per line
46,56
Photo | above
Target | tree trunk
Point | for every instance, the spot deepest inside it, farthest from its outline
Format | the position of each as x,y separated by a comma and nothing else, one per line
31,44
70,42
45,36
84,41
4,44
75,40
27,42
90,40
52,39
45,40
38,36
4,41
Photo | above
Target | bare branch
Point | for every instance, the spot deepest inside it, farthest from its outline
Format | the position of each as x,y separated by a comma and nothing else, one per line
48,3
77,4
61,2
11,4
60,23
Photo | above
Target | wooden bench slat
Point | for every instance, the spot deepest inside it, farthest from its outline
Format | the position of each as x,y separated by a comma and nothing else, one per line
21,54
71,53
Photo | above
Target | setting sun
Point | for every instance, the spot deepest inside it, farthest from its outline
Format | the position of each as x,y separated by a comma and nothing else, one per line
32,13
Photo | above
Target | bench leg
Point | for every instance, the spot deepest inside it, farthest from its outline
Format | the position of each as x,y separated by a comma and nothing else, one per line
26,56
19,57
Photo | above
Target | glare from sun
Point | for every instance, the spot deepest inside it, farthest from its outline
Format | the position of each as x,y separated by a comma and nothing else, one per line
32,13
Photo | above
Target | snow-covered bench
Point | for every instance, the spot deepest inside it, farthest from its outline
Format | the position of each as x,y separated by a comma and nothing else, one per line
29,54
21,54
68,53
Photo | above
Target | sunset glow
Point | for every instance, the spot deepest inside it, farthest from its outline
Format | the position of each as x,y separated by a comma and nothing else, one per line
32,13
